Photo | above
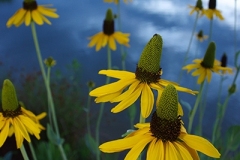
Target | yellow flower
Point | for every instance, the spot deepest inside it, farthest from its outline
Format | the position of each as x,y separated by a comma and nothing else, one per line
109,36
165,134
116,1
32,12
204,67
115,92
200,36
22,126
197,8
212,11
15,118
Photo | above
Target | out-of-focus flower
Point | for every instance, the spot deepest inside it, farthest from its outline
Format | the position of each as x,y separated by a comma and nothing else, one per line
165,134
109,36
50,62
14,115
212,11
146,78
32,12
116,1
197,8
201,37
204,67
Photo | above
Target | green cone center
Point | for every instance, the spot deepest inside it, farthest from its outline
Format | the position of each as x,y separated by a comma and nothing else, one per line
147,77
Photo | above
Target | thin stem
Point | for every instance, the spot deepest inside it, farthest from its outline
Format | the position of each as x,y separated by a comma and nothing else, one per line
47,85
102,108
49,109
32,151
194,110
189,45
88,111
24,153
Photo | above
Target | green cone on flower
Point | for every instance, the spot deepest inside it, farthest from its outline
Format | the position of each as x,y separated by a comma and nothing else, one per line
209,56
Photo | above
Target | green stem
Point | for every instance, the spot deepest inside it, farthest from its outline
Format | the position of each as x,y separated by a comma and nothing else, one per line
32,151
47,85
194,110
49,109
102,108
189,45
24,153
88,111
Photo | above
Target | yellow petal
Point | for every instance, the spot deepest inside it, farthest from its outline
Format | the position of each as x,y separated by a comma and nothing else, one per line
18,125
127,102
127,93
47,12
117,74
4,132
138,147
108,97
209,75
183,151
111,88
200,144
99,43
28,18
121,144
111,43
147,100
37,17
94,39
29,124
19,17
155,150
171,152
18,136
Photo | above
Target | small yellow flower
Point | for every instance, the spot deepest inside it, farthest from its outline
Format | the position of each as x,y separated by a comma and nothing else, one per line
14,118
116,1
201,37
32,12
204,67
197,8
212,11
109,36
165,134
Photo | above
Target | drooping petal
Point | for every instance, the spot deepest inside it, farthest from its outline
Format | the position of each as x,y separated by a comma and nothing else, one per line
138,147
94,39
108,97
4,132
171,152
111,88
121,144
37,17
209,75
47,12
147,100
19,17
28,18
183,151
200,144
18,125
111,43
193,152
127,102
99,43
155,150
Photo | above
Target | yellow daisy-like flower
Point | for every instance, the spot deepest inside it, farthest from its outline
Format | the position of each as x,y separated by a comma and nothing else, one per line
115,92
109,36
165,134
22,126
32,12
116,1
201,37
204,67
212,11
184,147
197,8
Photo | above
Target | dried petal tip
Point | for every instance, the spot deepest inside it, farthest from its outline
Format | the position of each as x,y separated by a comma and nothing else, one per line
212,4
9,97
151,55
199,4
209,57
167,108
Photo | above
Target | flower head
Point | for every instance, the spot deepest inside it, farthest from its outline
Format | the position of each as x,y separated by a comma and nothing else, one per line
31,11
108,36
165,134
212,11
14,115
197,8
204,67
116,1
200,36
146,78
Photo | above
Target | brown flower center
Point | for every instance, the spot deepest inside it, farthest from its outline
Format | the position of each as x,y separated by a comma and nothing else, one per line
12,114
108,27
30,5
148,77
166,130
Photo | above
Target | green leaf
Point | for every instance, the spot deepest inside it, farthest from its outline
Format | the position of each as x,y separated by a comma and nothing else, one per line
53,137
233,138
91,143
